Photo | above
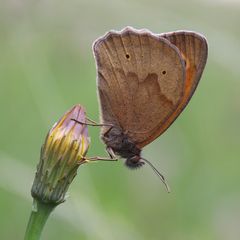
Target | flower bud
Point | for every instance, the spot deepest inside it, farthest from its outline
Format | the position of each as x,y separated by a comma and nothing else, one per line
63,151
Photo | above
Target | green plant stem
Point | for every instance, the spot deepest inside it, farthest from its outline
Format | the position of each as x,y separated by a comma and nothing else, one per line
37,220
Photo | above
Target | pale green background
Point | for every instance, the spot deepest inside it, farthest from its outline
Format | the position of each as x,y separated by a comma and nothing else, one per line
47,66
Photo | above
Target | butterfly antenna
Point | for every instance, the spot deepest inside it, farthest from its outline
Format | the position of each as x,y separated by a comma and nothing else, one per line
162,178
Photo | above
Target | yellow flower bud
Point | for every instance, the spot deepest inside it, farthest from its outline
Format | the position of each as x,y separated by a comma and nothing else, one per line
63,151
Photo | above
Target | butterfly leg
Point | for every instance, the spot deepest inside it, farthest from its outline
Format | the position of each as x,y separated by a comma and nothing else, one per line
93,159
92,123
111,153
98,124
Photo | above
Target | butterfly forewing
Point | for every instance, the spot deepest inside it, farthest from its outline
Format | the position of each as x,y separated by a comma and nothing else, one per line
141,82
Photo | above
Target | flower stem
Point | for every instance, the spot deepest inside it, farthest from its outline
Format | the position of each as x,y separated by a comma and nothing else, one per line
39,215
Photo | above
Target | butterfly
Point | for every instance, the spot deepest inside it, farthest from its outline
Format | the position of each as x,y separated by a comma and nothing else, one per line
144,82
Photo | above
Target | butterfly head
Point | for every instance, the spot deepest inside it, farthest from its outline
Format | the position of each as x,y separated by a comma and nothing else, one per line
134,162
120,143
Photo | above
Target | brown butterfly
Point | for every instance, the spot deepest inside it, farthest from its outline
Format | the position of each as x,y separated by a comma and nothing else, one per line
144,81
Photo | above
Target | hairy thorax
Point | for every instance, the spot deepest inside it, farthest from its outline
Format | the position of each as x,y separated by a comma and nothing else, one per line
122,146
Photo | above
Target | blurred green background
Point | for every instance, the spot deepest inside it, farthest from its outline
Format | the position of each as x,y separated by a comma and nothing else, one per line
47,66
